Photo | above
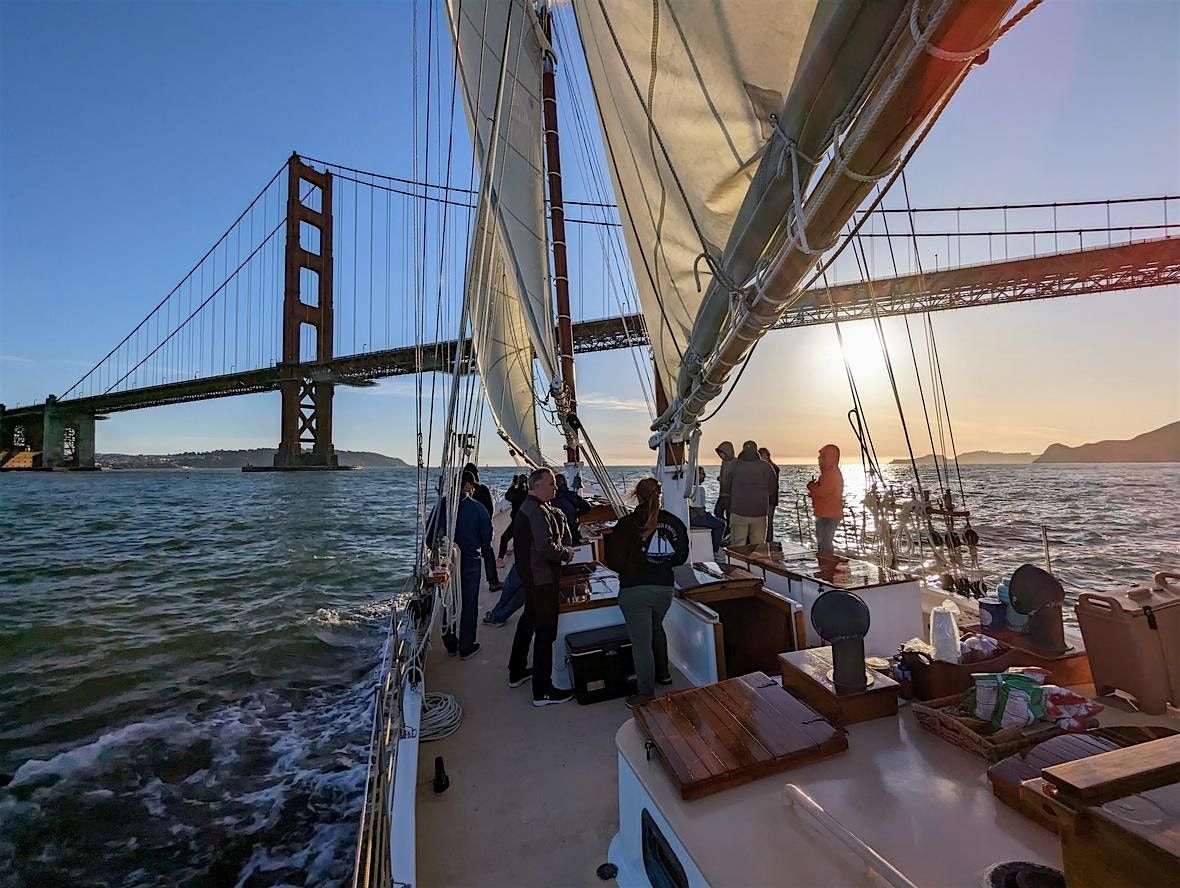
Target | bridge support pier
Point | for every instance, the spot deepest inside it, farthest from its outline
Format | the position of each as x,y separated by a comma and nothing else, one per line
307,400
67,437
51,436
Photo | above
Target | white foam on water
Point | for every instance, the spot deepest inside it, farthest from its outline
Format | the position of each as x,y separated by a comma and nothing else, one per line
91,757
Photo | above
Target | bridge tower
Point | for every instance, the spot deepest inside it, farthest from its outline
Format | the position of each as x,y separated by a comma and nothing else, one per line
306,390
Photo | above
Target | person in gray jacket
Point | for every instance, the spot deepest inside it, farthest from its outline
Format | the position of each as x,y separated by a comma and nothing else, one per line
753,484
724,480
541,540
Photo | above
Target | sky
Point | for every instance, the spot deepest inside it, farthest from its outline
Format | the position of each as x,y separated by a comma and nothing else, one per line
132,134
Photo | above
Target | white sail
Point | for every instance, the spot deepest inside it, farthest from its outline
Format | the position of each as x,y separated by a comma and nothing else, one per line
717,116
685,91
503,348
516,193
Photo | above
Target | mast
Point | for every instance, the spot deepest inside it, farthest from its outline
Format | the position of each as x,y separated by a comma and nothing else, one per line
567,397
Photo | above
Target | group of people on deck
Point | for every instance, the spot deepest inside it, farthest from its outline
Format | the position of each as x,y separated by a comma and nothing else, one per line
643,549
748,497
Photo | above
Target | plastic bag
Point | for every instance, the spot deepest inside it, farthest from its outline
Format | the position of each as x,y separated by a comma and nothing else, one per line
944,632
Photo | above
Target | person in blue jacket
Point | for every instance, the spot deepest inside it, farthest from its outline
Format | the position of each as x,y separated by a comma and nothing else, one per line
473,534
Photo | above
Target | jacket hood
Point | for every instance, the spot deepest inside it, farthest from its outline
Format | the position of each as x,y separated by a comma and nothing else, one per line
725,450
749,452
829,456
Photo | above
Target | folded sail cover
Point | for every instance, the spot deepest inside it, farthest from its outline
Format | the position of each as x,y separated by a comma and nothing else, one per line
690,95
512,316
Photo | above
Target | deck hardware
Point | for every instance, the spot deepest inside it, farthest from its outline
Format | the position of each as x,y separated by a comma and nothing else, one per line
648,746
441,780
606,871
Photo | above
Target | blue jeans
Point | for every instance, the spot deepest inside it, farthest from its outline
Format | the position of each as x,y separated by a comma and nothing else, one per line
470,570
825,534
714,524
511,598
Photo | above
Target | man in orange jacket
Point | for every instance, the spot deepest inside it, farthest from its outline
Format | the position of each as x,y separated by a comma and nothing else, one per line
827,497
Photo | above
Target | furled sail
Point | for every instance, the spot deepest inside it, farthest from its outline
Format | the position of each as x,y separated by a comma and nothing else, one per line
716,117
503,349
484,33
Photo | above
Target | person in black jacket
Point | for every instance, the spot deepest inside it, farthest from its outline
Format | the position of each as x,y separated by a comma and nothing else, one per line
643,549
515,495
483,496
542,542
572,505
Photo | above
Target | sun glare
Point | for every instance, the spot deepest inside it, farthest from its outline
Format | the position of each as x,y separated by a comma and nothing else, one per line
860,345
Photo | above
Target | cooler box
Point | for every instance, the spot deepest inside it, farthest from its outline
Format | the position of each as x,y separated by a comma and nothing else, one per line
1133,640
601,663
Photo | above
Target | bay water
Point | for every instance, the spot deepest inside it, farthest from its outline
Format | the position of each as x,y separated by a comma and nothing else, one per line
188,658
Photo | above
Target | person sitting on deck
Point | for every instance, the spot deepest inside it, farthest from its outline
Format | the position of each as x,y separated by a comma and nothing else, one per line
827,498
571,505
473,536
483,496
698,515
753,483
644,547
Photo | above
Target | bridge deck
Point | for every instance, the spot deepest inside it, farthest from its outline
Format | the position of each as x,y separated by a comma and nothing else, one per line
1150,263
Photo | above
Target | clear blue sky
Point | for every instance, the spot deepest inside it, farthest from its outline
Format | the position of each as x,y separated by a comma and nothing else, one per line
132,134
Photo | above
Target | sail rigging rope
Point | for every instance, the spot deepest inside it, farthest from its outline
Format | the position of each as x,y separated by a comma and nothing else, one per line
934,357
922,39
914,358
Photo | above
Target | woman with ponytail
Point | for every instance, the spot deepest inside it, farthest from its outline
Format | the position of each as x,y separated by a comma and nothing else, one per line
643,548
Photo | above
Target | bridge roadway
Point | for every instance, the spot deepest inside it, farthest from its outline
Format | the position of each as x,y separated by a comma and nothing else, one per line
1150,263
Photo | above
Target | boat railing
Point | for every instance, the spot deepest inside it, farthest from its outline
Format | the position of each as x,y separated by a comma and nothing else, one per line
372,866
876,866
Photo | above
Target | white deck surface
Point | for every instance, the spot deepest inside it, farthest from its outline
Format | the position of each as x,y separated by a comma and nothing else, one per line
533,797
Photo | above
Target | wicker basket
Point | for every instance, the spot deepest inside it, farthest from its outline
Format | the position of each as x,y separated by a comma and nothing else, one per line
947,718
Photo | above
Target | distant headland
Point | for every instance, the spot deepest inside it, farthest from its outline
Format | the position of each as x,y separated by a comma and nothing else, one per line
232,459
1159,446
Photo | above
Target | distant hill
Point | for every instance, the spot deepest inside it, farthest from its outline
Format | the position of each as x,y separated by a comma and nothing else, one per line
231,459
1161,445
977,458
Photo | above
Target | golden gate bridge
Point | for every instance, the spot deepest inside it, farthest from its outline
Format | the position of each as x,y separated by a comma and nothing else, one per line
315,285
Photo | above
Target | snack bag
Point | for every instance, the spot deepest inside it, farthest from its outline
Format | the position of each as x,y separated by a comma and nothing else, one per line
987,694
1021,702
1035,673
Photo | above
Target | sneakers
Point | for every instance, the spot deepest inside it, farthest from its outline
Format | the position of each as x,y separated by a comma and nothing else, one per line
663,679
515,681
464,655
556,695
492,621
637,700
500,563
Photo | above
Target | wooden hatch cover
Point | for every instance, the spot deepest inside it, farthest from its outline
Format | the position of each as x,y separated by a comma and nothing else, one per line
734,732
1118,815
